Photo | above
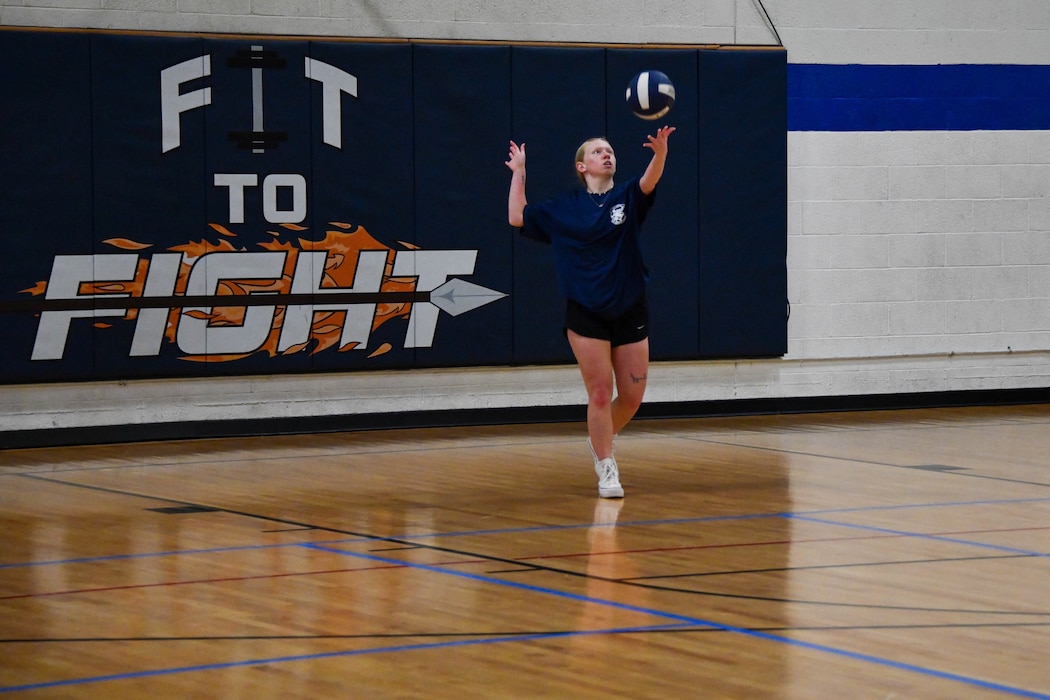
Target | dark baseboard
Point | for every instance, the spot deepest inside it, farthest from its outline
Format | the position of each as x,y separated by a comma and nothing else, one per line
251,427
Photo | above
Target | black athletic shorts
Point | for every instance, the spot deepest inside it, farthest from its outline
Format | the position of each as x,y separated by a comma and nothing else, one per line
631,327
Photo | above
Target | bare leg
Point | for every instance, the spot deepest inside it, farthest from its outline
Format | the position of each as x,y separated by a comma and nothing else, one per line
595,358
631,369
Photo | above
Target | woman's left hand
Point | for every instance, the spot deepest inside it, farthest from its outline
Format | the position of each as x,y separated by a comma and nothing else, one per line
659,142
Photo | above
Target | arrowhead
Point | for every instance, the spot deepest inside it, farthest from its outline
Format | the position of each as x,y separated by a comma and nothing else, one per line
458,296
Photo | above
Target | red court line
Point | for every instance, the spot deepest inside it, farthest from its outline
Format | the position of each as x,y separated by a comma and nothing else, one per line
231,579
234,579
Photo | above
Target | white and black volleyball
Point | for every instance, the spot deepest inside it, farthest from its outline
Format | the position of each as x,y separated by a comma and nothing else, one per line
650,94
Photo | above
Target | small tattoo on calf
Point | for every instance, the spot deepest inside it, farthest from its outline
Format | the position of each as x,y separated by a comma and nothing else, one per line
638,380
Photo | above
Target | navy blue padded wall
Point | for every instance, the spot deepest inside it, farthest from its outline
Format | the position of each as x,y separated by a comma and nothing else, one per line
45,177
743,204
462,112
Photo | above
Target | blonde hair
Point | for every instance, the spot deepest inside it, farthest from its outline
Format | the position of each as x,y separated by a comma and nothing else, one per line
582,150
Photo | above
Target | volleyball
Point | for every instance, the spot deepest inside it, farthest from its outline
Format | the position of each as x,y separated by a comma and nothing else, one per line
650,94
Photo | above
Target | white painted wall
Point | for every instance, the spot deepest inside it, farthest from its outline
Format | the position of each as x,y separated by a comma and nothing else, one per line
917,261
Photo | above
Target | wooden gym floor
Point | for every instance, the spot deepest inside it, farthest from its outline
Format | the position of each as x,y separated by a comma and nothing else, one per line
897,554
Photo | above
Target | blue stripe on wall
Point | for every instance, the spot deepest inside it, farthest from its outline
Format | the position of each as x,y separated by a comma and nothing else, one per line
918,98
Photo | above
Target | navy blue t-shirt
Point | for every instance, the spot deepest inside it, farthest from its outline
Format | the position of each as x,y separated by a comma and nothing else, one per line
597,251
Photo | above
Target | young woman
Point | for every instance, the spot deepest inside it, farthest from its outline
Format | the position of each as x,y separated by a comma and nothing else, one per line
595,237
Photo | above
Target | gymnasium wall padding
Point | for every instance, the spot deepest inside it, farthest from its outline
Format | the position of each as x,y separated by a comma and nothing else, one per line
462,117
46,181
743,213
352,195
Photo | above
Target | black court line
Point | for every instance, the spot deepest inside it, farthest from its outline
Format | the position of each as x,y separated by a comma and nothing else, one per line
539,568
851,565
399,548
340,450
312,452
444,570
855,460
686,620
683,629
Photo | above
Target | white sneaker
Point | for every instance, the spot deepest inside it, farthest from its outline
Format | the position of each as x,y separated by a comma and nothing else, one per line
608,478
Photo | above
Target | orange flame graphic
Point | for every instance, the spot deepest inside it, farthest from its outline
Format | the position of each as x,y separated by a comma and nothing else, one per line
342,248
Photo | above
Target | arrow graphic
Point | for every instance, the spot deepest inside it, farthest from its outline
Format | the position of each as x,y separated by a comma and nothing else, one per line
454,297
458,296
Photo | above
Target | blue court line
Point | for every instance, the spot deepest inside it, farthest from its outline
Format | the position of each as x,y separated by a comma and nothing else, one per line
919,535
680,619
393,539
711,518
324,655
912,506
543,528
688,620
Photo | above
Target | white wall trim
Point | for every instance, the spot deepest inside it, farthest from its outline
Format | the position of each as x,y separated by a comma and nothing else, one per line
115,403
